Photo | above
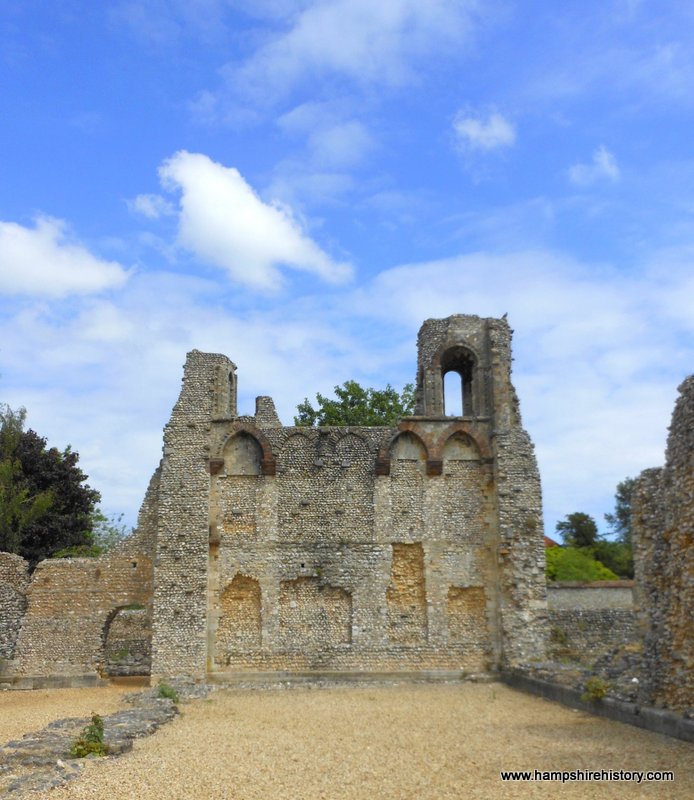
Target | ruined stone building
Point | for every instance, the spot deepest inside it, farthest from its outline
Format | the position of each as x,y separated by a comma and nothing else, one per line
264,548
663,539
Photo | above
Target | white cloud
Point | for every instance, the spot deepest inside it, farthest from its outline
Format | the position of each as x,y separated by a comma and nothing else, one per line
603,167
358,39
332,144
334,140
42,261
598,357
224,223
151,206
475,132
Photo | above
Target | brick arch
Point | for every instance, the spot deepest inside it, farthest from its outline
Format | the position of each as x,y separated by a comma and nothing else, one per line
268,464
383,457
468,429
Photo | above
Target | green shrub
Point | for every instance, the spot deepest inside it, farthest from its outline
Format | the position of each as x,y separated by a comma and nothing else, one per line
91,740
168,692
596,689
572,564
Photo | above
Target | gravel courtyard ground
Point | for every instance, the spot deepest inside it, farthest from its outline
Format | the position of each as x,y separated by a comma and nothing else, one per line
418,742
24,712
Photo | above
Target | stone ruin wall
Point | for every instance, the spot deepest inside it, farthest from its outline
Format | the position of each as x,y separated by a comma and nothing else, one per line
81,618
417,547
663,539
14,582
346,568
261,547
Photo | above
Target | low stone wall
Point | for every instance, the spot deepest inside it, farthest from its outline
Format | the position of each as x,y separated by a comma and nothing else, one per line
594,595
71,604
587,619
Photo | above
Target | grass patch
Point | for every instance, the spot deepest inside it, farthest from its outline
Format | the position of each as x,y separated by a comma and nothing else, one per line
167,692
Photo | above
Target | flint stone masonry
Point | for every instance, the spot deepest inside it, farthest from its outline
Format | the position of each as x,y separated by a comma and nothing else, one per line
14,581
590,619
663,539
262,548
71,605
415,547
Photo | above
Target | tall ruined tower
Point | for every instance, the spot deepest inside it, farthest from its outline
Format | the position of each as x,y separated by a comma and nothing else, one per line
412,548
476,353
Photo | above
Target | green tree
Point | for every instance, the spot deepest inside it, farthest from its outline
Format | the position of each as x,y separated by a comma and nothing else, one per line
578,530
19,506
356,405
572,564
616,556
45,506
620,520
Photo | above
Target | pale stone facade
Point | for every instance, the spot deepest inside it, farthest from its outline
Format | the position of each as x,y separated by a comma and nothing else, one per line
267,548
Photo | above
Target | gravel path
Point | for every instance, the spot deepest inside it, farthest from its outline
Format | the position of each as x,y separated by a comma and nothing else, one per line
25,712
418,742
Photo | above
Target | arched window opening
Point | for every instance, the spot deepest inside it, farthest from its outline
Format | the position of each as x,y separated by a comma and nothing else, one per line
458,371
453,389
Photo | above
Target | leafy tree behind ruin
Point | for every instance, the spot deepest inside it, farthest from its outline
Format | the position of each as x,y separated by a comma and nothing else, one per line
580,533
45,504
620,520
355,405
578,530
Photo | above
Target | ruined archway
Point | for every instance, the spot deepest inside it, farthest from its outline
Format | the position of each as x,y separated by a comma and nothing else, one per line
127,638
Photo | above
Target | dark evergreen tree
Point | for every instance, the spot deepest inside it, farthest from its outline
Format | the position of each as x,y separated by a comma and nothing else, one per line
45,504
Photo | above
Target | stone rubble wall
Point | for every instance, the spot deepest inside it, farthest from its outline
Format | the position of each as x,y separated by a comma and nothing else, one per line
592,631
519,509
588,619
414,547
70,604
66,606
663,538
179,624
590,596
334,567
14,581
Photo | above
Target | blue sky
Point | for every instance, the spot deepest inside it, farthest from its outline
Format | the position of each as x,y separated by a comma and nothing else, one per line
299,184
